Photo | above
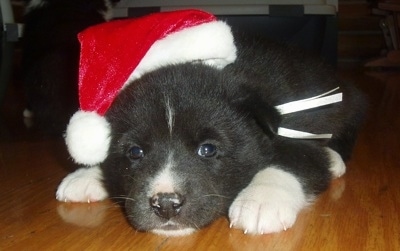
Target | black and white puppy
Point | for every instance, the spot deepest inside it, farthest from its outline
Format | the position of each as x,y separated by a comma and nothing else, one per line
191,143
51,56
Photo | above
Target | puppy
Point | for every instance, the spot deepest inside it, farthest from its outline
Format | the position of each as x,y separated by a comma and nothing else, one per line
191,143
51,56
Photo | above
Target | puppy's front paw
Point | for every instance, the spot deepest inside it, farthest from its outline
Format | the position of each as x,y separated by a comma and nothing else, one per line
83,185
270,203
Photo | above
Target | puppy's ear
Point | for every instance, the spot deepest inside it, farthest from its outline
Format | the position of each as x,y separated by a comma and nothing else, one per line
265,115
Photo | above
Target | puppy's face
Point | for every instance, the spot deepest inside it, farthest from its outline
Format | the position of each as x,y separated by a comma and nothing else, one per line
182,148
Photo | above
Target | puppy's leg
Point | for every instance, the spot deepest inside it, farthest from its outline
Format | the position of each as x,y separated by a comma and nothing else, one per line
337,166
83,185
270,203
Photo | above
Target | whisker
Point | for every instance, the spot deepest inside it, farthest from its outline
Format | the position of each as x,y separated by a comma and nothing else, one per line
123,198
131,177
192,223
215,195
212,195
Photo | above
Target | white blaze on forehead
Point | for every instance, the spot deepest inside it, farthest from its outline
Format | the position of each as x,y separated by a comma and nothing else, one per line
169,114
164,181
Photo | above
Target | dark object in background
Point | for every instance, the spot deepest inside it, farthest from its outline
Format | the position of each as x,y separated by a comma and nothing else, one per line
51,56
310,26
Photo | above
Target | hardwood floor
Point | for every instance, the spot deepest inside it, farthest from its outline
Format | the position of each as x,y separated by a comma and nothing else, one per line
360,211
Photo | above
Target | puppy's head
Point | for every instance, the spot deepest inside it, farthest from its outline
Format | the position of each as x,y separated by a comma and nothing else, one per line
184,143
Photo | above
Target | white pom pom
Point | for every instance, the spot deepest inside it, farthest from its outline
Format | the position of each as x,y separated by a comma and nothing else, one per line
88,138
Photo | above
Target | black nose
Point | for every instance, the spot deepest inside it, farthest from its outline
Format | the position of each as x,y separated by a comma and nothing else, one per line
167,205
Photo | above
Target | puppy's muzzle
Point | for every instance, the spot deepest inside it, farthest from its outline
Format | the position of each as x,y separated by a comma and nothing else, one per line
167,205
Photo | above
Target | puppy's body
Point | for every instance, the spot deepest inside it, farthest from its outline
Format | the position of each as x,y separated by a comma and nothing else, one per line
191,143
51,56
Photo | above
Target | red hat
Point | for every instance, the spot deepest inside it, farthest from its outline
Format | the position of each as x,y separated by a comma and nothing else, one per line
115,53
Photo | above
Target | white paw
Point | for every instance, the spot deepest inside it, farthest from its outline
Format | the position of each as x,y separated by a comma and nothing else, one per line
338,167
83,185
27,113
270,203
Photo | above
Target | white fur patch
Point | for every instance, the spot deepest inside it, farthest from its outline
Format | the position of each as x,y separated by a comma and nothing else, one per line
270,203
169,113
83,185
338,167
164,181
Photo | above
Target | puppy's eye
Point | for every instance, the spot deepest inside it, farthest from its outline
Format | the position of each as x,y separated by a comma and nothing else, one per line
135,153
207,150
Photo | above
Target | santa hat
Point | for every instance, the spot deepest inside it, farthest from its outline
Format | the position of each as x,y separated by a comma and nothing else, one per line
116,53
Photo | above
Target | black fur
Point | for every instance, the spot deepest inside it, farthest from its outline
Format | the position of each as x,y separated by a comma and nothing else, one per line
51,56
233,109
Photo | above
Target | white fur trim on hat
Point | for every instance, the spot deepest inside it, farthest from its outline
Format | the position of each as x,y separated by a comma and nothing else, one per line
211,43
88,137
